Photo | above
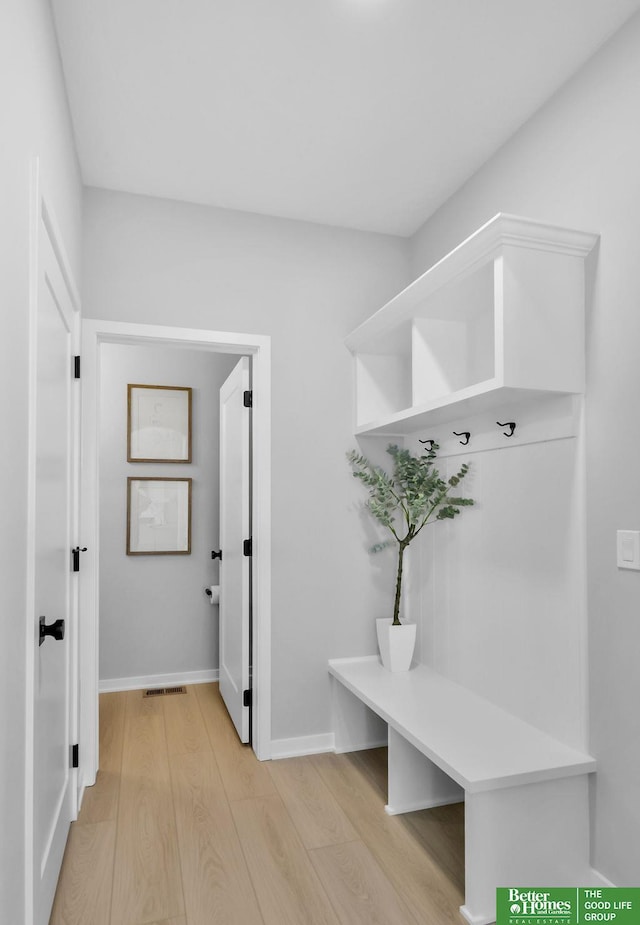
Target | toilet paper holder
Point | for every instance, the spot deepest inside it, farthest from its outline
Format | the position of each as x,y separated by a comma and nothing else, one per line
213,593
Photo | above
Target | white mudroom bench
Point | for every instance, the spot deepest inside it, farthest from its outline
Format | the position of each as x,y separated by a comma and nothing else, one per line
526,793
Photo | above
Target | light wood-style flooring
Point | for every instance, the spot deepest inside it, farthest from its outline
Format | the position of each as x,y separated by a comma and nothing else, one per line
185,827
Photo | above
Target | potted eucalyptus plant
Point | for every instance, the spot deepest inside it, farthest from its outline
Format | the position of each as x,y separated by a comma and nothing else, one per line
404,503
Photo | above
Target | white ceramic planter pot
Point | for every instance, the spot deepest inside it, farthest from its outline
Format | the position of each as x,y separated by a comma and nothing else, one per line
396,644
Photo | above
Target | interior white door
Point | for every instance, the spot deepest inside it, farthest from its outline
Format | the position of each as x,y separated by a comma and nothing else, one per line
54,782
235,423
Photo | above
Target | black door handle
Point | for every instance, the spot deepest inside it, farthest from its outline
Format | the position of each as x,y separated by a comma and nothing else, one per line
55,629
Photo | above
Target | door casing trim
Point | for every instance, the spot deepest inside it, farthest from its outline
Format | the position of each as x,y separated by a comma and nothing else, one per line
258,347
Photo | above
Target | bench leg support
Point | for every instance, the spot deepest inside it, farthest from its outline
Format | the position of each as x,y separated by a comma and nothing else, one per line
533,835
355,726
414,781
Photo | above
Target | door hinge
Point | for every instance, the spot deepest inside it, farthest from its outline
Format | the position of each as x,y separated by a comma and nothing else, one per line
248,398
216,554
75,553
75,756
246,698
76,367
247,547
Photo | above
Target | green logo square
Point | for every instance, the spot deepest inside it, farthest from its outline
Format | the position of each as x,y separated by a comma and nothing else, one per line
536,906
567,905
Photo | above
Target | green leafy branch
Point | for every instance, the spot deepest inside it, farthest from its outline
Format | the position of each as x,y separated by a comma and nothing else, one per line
406,501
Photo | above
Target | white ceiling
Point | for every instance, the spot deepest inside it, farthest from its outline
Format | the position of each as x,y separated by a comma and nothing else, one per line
360,113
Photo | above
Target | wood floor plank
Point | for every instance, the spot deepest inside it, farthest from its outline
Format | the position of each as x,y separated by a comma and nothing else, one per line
217,885
180,920
441,833
359,890
100,802
84,887
288,888
175,830
184,724
147,880
314,810
420,878
441,829
374,763
243,775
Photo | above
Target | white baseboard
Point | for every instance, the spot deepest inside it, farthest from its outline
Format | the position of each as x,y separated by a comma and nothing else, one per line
109,685
316,745
421,804
599,880
302,745
475,919
79,798
362,746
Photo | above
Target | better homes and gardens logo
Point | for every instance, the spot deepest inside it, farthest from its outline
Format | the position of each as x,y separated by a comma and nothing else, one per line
567,906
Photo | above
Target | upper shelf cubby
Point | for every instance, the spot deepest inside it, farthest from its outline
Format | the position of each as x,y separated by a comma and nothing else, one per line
501,315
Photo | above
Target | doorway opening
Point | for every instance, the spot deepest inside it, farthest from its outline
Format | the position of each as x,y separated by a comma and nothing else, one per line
159,460
96,335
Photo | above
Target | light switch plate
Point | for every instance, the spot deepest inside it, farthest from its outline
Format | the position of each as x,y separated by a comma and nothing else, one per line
628,549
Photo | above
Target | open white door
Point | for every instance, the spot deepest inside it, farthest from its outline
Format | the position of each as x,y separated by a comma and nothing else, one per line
52,612
235,543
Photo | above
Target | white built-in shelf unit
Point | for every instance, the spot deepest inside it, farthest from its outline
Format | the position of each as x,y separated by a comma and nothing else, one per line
499,318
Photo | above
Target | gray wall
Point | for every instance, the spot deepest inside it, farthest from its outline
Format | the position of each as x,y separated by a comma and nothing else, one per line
576,163
154,261
154,615
498,593
35,121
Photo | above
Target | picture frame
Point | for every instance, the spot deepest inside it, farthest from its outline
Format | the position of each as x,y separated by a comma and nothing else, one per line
158,423
158,516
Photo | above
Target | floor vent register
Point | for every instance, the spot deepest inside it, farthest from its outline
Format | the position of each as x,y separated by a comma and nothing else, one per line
161,691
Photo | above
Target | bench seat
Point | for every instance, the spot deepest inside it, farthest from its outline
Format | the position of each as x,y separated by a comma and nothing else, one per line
526,794
479,745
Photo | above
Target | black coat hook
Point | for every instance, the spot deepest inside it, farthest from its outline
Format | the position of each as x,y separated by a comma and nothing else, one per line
463,433
510,424
431,443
